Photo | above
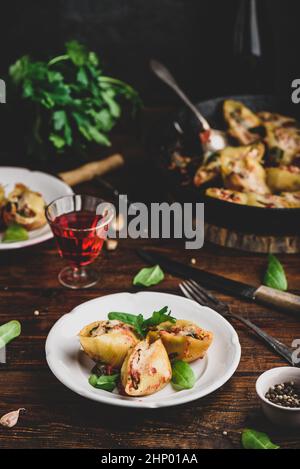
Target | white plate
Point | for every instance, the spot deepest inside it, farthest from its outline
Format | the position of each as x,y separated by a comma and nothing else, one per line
72,367
49,186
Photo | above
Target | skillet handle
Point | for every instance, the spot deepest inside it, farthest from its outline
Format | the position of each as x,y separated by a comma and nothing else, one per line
279,299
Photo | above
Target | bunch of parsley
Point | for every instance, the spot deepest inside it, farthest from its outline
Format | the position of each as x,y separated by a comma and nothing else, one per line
74,102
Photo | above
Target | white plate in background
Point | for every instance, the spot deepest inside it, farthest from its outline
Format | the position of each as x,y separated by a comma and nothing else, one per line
49,186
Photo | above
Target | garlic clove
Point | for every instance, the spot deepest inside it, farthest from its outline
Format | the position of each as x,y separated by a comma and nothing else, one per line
11,419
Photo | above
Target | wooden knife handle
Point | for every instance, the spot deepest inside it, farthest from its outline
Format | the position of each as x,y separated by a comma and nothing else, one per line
278,299
90,170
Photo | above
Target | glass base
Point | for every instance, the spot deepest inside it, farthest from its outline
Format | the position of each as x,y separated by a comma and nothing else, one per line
78,277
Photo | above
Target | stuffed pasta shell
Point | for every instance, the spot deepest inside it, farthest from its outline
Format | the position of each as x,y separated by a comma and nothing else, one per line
108,341
242,170
146,369
283,178
25,207
183,340
241,120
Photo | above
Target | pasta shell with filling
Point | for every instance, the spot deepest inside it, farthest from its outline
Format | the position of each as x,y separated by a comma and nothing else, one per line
25,207
146,369
183,340
108,341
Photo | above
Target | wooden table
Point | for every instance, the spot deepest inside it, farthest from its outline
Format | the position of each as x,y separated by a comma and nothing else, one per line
57,418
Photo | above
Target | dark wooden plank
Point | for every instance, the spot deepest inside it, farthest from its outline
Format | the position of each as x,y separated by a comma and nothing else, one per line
56,417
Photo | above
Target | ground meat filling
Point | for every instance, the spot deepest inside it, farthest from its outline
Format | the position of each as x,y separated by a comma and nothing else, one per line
105,327
195,333
135,375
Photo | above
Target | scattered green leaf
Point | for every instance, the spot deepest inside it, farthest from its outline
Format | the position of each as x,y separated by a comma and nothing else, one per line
149,276
251,439
8,332
105,382
183,376
275,276
15,232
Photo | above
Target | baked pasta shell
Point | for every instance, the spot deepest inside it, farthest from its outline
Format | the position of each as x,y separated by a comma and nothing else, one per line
146,369
183,347
24,207
109,347
283,179
240,120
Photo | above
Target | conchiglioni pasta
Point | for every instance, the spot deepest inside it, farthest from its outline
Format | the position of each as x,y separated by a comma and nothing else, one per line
183,340
108,341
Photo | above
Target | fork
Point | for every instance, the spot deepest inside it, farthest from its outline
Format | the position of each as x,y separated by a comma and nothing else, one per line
194,291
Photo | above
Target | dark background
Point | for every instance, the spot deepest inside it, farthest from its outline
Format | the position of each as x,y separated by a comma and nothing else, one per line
193,37
196,39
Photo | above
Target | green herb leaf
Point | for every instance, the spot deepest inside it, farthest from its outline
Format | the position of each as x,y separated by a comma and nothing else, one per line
58,141
15,232
73,103
252,439
149,276
105,382
183,376
77,53
59,119
158,317
275,276
82,77
8,332
134,320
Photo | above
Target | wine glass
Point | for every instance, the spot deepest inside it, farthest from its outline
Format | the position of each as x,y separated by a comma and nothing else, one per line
79,224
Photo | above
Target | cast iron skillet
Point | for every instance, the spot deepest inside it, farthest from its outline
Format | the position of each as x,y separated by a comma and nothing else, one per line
242,218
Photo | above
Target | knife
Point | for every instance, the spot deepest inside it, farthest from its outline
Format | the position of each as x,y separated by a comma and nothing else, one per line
262,294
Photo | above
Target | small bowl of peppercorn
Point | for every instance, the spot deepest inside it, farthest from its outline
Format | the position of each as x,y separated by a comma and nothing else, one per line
279,393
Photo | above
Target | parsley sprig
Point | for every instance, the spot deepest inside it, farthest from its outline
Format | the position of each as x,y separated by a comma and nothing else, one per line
74,103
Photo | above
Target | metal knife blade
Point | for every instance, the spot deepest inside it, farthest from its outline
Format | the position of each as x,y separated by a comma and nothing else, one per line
207,279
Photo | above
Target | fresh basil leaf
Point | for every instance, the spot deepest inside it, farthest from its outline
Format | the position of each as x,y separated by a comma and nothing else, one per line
275,276
105,382
93,380
15,232
149,276
251,439
158,317
183,376
134,320
8,332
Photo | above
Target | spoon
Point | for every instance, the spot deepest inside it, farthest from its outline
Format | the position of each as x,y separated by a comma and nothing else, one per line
211,139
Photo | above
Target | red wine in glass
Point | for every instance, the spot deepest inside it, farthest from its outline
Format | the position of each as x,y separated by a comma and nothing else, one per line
80,231
77,242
